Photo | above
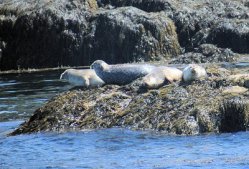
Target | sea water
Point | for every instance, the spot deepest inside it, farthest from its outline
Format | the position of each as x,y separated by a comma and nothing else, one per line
21,94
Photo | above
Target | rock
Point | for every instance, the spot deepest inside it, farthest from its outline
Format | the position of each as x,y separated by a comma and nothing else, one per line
175,108
187,126
234,90
73,33
232,34
145,5
220,22
223,23
206,53
206,120
240,79
128,34
0,54
44,34
234,115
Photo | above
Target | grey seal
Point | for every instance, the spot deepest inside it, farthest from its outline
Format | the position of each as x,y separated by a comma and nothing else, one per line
121,74
161,76
82,77
193,72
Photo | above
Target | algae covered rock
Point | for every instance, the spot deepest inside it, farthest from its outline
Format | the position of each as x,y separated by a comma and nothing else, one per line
178,108
145,5
129,34
206,53
40,34
220,22
43,33
232,34
234,115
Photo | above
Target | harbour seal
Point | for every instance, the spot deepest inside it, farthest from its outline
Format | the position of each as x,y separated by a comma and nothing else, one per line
193,72
161,76
83,77
121,74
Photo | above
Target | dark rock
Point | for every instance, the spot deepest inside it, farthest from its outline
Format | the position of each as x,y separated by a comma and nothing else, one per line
146,5
232,34
223,23
129,34
206,53
44,34
234,115
73,33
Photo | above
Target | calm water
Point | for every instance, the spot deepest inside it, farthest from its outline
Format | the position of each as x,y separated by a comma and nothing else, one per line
21,94
114,148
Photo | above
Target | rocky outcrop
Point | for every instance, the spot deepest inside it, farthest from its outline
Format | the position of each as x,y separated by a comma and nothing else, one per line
73,33
206,53
231,34
222,23
231,121
43,34
145,5
128,34
188,109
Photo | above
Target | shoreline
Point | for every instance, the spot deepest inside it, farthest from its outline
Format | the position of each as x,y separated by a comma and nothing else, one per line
239,64
40,70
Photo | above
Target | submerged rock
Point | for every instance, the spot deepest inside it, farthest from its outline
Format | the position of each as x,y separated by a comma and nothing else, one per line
178,108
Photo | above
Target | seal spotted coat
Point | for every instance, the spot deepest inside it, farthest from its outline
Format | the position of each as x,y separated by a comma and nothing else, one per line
121,74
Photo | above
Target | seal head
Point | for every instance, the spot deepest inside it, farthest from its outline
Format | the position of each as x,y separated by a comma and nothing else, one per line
83,77
100,65
193,72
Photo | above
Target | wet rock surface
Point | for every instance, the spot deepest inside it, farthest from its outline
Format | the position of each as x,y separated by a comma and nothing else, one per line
39,34
180,108
72,33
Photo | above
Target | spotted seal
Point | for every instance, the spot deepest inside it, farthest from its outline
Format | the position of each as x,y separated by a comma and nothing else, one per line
82,77
161,76
121,74
193,72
